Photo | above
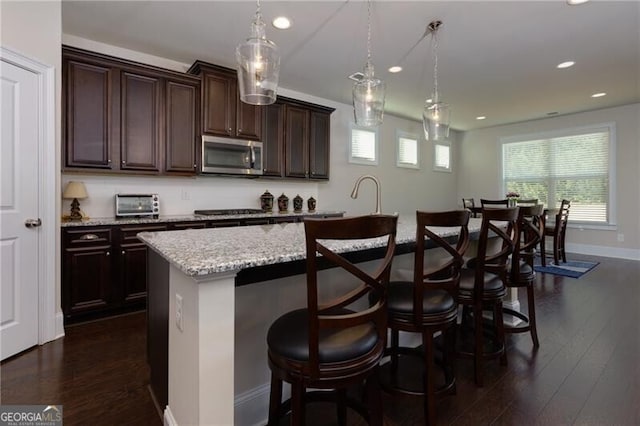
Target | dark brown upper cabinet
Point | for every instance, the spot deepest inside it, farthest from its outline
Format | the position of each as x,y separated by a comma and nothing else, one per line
296,140
223,114
121,116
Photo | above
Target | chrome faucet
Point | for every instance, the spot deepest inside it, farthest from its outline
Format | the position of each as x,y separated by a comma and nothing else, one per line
354,193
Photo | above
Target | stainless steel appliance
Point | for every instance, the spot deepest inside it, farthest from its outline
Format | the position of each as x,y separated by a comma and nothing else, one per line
230,156
137,205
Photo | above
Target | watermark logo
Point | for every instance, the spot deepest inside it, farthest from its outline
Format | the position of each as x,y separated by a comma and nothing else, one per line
30,415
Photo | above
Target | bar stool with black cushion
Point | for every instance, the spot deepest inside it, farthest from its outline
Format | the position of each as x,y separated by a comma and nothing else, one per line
558,231
522,274
428,305
338,343
483,286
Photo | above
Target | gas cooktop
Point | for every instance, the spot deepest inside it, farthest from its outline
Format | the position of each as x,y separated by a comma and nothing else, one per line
226,212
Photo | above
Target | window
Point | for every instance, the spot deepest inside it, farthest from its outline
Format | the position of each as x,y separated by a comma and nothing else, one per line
363,148
442,156
574,164
407,150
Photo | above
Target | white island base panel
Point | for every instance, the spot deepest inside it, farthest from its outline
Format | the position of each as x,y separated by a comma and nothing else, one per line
218,370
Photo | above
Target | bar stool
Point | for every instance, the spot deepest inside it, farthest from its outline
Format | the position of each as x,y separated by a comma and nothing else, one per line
483,286
428,304
336,343
522,274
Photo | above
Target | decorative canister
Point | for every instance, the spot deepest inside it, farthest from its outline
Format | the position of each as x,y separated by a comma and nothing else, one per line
311,204
283,204
266,201
297,204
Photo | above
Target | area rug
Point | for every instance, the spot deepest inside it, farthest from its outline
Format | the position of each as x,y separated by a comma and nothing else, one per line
572,268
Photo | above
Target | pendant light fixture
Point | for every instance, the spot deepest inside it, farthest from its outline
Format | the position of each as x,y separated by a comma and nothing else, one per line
258,63
368,92
436,114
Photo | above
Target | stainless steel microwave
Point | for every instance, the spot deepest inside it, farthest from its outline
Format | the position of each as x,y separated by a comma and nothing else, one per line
231,156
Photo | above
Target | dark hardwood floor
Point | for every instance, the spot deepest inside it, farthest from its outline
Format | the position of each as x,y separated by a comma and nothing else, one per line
586,371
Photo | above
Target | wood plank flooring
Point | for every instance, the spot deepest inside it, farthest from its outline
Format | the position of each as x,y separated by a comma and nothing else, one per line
586,371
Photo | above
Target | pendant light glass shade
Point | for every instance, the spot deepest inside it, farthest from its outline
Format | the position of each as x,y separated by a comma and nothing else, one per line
368,99
258,63
436,115
369,92
435,119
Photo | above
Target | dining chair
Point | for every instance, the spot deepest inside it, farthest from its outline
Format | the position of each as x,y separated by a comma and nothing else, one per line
335,341
483,286
470,204
491,204
522,273
557,230
428,305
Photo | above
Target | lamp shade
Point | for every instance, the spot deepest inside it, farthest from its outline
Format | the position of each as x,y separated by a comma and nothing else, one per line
258,62
368,99
75,190
436,121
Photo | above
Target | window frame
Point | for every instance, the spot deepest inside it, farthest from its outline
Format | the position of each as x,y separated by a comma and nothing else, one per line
360,160
568,132
412,136
436,167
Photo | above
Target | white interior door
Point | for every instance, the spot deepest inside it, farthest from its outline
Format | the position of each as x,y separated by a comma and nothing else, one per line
19,176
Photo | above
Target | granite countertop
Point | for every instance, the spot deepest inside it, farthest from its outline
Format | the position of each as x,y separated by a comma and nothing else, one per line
199,252
102,221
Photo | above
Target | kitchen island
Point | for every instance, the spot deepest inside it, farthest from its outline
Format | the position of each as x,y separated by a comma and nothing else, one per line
216,323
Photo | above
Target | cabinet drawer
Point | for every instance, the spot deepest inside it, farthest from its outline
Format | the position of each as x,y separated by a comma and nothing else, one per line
189,225
128,233
81,237
224,223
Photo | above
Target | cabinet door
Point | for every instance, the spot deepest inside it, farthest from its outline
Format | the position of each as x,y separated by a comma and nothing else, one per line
86,279
87,114
248,119
319,145
140,116
219,98
133,273
181,114
273,142
296,142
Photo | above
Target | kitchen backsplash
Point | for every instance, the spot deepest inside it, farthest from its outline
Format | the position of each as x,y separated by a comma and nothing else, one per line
184,195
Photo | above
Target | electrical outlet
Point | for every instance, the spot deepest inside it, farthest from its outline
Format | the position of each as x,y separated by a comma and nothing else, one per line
179,316
621,238
184,195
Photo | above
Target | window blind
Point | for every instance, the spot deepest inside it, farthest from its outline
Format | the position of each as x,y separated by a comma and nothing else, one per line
363,144
442,156
573,167
407,151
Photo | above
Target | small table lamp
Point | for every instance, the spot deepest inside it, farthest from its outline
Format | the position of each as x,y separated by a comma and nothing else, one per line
75,190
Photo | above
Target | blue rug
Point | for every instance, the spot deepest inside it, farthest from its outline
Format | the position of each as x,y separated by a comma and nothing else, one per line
573,269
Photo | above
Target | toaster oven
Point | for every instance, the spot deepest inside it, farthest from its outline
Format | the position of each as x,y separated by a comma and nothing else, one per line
137,205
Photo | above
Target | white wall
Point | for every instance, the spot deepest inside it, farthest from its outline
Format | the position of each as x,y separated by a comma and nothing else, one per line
34,29
403,190
480,174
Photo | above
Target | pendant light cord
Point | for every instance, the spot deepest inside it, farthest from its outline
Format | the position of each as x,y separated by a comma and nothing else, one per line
369,32
435,66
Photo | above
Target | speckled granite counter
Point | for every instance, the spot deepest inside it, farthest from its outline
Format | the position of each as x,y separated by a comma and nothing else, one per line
102,221
200,252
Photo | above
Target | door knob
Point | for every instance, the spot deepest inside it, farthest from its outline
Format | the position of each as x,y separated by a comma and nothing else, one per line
33,223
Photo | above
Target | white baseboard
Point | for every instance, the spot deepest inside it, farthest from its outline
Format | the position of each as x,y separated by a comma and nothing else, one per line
251,408
169,420
616,252
59,321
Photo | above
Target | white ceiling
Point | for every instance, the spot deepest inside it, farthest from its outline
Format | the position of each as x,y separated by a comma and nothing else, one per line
496,59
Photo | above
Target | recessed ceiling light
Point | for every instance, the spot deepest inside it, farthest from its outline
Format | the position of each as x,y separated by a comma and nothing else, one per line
480,117
281,23
566,64
576,2
395,69
598,95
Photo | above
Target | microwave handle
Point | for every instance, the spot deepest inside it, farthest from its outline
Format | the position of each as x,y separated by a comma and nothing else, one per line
253,157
